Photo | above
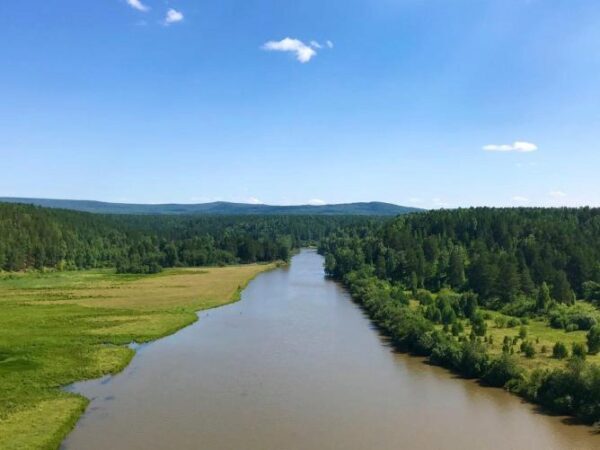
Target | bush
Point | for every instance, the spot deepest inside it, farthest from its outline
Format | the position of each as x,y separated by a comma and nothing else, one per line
478,325
591,291
573,390
593,339
513,322
500,321
502,370
577,317
523,332
474,360
528,349
457,328
579,350
559,351
424,297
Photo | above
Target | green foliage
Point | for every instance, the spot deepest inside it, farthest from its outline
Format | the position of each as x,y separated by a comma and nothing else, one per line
500,254
578,350
513,322
593,339
37,238
424,297
523,332
560,351
543,297
572,391
580,316
591,292
526,263
528,349
502,370
478,325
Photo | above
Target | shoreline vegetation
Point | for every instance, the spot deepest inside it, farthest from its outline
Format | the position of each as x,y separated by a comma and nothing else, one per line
506,296
57,328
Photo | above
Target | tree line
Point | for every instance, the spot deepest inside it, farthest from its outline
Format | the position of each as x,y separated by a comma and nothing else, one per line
526,263
36,238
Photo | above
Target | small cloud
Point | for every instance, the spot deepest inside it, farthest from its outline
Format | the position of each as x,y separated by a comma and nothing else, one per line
173,16
254,201
137,4
329,44
315,44
415,200
316,202
518,146
557,194
303,52
520,199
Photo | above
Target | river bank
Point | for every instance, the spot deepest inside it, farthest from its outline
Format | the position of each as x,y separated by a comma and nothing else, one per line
297,365
61,327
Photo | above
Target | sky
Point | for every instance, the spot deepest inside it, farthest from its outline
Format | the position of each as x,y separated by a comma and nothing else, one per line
428,103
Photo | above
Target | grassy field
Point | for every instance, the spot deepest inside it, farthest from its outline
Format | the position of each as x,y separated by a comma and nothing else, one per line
61,327
541,335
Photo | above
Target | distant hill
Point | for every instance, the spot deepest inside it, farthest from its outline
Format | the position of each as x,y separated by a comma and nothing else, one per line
217,208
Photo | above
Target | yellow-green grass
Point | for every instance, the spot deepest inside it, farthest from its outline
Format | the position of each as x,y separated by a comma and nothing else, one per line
539,333
60,327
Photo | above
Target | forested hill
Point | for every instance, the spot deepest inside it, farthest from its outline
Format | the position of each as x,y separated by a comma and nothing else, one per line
452,285
33,237
500,254
217,208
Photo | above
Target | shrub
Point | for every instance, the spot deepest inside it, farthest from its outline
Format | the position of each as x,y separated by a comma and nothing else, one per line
502,370
424,297
579,350
528,349
559,351
457,328
523,332
513,322
500,321
478,324
593,339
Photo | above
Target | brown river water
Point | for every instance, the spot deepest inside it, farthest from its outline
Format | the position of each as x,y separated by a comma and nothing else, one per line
296,365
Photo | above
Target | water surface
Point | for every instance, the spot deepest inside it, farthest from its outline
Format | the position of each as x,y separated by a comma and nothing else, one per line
296,365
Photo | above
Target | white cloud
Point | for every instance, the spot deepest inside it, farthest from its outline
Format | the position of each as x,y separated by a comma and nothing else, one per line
317,202
254,201
557,194
304,53
315,44
329,44
520,199
518,146
137,4
173,16
415,200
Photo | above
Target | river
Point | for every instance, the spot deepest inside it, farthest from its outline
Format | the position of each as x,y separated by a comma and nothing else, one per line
296,365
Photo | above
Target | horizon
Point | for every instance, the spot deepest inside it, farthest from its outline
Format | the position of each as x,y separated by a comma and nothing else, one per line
421,104
4,198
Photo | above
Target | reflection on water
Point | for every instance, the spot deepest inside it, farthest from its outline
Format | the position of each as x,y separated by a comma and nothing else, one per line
296,365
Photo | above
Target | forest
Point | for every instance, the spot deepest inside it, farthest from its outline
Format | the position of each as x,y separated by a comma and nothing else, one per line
444,284
509,296
33,237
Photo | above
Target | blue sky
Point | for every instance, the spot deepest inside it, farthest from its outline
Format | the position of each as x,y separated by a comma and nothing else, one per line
432,103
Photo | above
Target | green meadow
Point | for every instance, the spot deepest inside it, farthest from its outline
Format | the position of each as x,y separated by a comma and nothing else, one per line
60,327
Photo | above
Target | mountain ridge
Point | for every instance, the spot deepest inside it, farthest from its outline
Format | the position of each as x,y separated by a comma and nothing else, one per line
216,208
